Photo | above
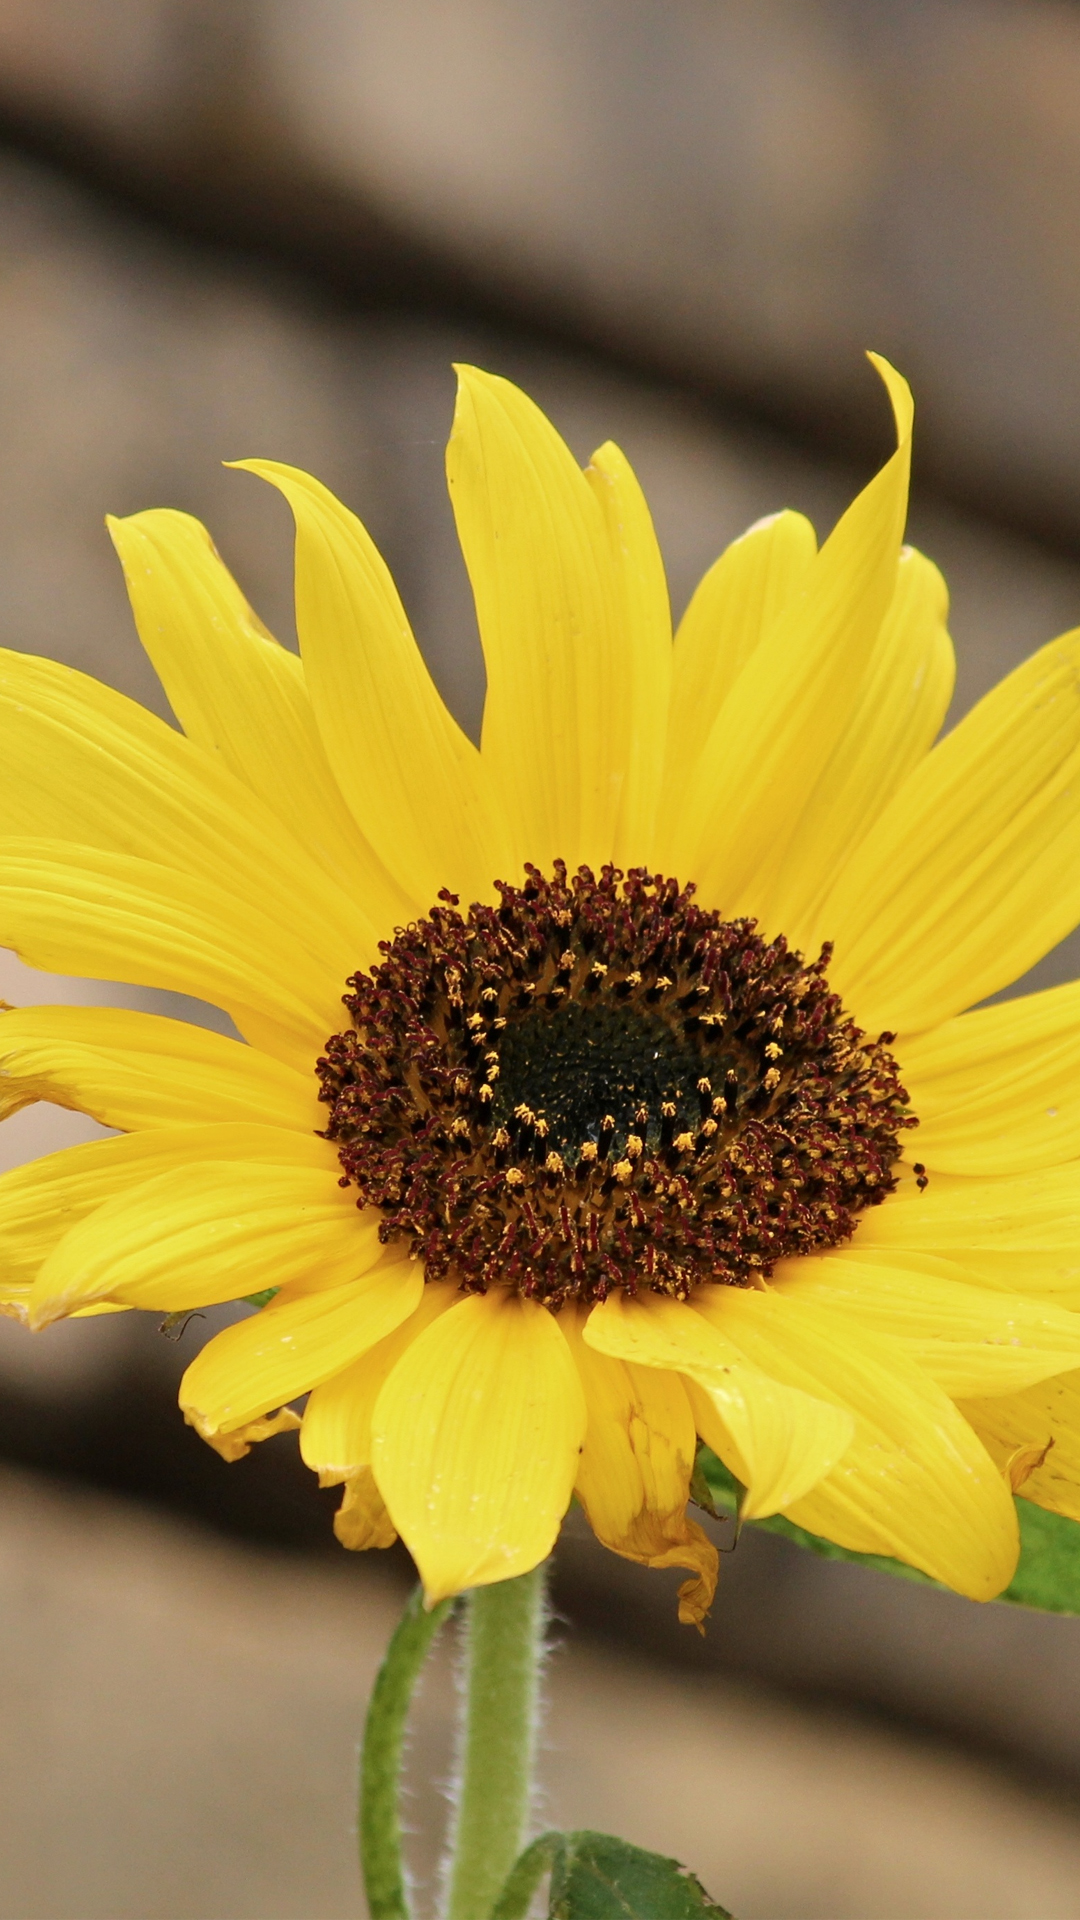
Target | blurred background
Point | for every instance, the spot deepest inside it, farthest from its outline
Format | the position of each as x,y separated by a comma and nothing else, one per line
267,227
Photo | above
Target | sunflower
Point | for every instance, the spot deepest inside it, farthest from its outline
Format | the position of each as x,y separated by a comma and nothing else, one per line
606,1088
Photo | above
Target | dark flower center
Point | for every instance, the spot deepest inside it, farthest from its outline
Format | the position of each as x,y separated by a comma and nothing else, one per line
599,1084
590,1069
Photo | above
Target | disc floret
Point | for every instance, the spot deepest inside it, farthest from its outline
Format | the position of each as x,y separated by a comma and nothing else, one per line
597,1084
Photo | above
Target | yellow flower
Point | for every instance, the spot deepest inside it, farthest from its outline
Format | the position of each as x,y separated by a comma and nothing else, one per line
628,1172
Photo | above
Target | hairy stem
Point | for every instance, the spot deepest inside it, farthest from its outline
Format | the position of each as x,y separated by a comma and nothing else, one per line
504,1647
382,1755
525,1876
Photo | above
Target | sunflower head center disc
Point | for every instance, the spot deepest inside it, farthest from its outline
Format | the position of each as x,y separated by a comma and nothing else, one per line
598,1084
590,1070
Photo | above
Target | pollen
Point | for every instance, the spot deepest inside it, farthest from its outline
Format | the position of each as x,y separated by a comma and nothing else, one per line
597,1084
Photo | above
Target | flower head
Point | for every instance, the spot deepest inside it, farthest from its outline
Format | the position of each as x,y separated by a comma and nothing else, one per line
575,1112
597,1086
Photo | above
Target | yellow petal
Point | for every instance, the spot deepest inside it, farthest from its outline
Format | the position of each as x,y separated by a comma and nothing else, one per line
205,1233
735,605
293,1345
41,1201
969,1340
134,1070
796,694
336,1436
362,1520
962,1218
477,1433
1041,1273
73,910
915,1482
1044,1424
558,720
778,1442
410,776
644,615
902,702
236,1445
972,872
634,1475
998,1091
1022,1463
81,763
242,697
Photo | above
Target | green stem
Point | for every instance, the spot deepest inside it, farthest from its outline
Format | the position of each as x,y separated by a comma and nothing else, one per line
381,1759
525,1877
504,1645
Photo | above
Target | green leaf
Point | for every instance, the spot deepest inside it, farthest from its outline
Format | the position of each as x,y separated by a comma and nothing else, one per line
262,1299
1048,1576
1049,1572
595,1877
